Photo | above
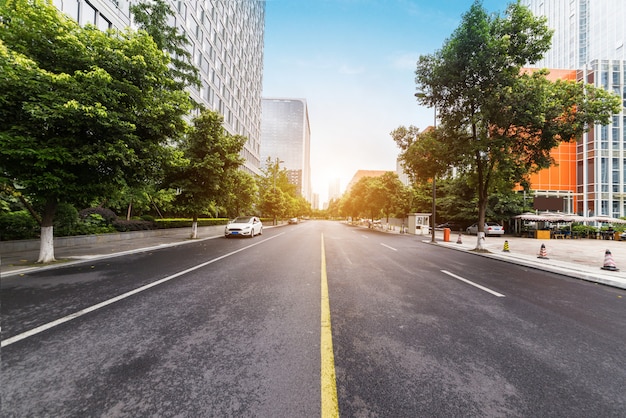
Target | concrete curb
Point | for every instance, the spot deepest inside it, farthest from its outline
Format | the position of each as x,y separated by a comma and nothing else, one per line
562,268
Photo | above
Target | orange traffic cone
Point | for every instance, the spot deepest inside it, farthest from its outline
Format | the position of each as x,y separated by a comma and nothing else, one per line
459,240
609,263
542,252
506,246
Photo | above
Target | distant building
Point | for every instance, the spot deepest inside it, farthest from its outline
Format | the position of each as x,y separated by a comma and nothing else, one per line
286,135
589,37
364,173
334,189
226,42
315,203
402,174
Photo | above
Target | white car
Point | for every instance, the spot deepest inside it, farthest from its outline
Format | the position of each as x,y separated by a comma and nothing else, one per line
491,228
246,226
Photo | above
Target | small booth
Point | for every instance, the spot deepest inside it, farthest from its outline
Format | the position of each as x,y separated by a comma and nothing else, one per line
419,223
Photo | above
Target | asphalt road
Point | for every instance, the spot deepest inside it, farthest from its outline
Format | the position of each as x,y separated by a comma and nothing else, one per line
232,328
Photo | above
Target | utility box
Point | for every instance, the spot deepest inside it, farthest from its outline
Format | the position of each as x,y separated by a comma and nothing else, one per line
419,223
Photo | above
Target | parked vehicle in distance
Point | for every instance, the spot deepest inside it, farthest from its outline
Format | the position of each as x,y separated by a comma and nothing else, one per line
491,228
293,221
453,226
247,226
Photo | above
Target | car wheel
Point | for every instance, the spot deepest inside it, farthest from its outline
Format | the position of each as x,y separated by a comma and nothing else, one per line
252,233
261,231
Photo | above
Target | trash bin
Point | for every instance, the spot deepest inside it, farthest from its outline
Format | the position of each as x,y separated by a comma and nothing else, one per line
446,234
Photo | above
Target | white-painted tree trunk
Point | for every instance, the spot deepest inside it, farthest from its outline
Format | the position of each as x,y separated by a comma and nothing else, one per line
46,247
194,230
480,241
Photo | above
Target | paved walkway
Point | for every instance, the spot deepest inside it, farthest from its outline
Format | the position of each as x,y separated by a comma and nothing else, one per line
579,258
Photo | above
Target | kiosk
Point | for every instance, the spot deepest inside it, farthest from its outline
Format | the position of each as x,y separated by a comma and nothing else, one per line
419,223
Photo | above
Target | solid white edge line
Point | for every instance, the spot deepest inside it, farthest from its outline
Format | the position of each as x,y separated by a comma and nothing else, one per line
85,311
385,245
500,295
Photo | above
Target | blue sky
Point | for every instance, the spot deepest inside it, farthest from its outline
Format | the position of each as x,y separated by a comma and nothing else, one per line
354,62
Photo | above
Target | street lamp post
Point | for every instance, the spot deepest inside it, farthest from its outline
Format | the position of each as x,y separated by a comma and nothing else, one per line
275,172
432,232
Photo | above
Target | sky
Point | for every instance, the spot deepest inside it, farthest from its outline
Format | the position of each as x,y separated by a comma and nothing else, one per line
354,62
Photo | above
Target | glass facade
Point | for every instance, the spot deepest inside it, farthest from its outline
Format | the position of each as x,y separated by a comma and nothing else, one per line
226,43
285,134
589,37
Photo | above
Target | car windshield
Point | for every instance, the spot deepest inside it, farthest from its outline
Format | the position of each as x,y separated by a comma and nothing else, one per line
242,220
492,224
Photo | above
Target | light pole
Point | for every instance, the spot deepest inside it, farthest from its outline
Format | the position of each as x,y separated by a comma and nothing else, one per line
432,232
275,173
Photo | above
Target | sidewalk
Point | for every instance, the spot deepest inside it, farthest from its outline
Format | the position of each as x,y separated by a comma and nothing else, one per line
581,258
578,258
19,257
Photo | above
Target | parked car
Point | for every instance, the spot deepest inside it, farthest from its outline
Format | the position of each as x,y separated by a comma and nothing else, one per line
453,226
247,226
293,221
491,228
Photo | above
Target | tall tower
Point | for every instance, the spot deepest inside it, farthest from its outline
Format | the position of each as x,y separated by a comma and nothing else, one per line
226,42
589,37
286,135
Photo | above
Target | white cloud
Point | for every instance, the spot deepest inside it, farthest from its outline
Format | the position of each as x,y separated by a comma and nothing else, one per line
404,60
348,70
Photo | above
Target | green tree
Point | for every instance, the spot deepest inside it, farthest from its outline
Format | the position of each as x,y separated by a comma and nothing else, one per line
153,18
213,155
275,190
498,123
83,112
242,194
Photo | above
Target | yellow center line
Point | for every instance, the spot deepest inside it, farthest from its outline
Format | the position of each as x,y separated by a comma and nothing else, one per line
330,405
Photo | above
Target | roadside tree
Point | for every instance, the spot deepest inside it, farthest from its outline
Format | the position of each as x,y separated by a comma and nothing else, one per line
242,194
498,123
212,155
83,112
153,17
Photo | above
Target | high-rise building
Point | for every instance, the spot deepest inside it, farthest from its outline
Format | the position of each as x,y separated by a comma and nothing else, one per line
334,189
226,43
589,38
286,136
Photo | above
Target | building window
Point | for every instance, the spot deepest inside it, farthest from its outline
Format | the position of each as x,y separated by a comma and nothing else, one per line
615,133
604,174
604,137
89,14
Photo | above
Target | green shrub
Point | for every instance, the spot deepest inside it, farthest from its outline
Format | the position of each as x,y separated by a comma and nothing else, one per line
186,222
123,225
106,214
18,225
65,220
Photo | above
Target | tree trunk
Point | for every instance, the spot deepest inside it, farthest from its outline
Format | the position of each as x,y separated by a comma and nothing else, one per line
194,227
480,235
129,211
46,246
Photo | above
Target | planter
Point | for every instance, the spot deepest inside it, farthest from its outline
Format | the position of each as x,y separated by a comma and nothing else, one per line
542,235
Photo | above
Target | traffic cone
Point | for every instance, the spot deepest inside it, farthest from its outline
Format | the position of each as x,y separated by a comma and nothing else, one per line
459,240
609,263
542,252
506,246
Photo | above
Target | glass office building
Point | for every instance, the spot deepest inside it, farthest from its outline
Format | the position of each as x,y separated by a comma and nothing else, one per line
226,42
286,135
589,37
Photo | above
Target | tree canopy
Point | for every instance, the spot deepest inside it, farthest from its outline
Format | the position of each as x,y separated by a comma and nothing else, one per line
212,156
497,122
82,111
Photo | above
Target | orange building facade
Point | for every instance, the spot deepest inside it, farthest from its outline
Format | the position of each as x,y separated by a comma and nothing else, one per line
555,188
